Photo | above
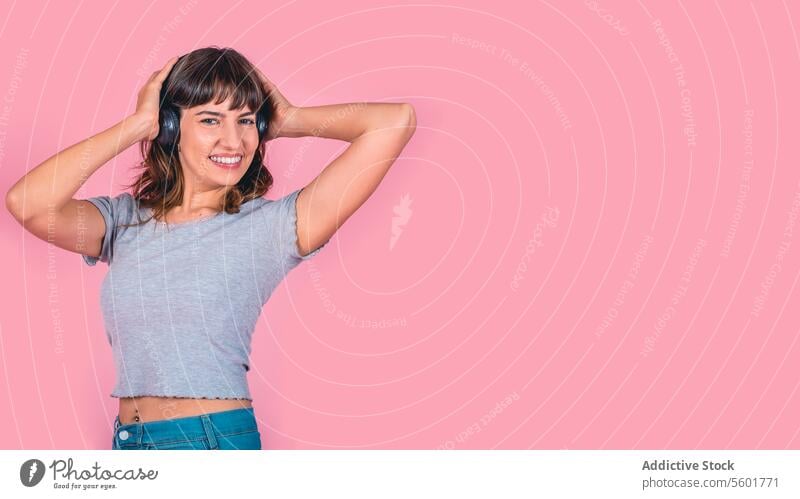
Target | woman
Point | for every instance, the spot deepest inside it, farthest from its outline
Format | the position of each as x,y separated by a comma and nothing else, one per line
195,251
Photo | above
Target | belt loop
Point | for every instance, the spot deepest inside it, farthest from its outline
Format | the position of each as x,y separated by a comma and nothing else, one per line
116,423
209,429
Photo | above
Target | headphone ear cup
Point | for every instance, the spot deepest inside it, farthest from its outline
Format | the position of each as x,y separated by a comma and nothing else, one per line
168,126
262,121
169,116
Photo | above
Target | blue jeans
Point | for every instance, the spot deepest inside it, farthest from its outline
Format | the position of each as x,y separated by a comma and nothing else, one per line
233,429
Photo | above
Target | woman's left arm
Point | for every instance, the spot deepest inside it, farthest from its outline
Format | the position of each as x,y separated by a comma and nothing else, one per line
377,133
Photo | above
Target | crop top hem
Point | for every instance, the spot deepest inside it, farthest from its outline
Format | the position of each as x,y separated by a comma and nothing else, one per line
115,395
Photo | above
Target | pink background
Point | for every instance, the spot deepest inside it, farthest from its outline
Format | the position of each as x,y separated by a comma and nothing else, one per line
593,226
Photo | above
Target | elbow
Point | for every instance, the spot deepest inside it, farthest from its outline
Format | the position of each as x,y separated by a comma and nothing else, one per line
12,203
409,118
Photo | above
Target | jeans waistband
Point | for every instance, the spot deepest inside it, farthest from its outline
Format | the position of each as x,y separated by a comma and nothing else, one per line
223,423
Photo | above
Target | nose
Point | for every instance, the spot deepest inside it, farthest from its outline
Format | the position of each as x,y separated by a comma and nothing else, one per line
230,137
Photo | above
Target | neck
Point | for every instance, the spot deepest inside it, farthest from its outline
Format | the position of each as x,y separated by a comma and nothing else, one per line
199,199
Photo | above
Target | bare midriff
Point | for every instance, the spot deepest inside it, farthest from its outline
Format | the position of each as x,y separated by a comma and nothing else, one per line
144,409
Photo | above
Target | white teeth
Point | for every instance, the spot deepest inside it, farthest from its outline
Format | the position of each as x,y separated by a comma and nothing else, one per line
228,161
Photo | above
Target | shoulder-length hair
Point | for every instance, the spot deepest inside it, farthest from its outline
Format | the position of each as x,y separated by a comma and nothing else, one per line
197,78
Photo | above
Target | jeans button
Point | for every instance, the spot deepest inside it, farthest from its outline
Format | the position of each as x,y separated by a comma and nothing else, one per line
123,435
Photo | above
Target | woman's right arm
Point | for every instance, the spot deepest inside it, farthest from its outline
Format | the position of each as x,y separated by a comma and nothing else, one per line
42,200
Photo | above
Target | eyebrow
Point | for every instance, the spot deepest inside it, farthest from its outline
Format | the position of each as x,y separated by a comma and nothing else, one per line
214,113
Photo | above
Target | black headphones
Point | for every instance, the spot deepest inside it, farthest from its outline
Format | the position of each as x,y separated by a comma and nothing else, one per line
169,117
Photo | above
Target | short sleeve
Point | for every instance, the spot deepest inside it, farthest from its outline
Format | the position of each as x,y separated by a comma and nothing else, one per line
115,211
287,224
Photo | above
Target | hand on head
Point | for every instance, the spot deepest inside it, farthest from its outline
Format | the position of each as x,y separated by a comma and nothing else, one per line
280,104
147,104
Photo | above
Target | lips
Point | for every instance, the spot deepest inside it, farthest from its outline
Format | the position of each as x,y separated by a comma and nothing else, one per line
227,161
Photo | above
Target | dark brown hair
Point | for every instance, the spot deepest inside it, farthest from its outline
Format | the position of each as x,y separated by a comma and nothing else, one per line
203,75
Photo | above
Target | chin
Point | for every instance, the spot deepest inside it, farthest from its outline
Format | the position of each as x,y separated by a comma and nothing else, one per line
221,176
224,180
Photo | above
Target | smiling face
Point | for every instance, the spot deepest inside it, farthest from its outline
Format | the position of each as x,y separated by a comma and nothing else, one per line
217,144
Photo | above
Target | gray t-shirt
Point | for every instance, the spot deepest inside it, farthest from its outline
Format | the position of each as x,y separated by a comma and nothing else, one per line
180,301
